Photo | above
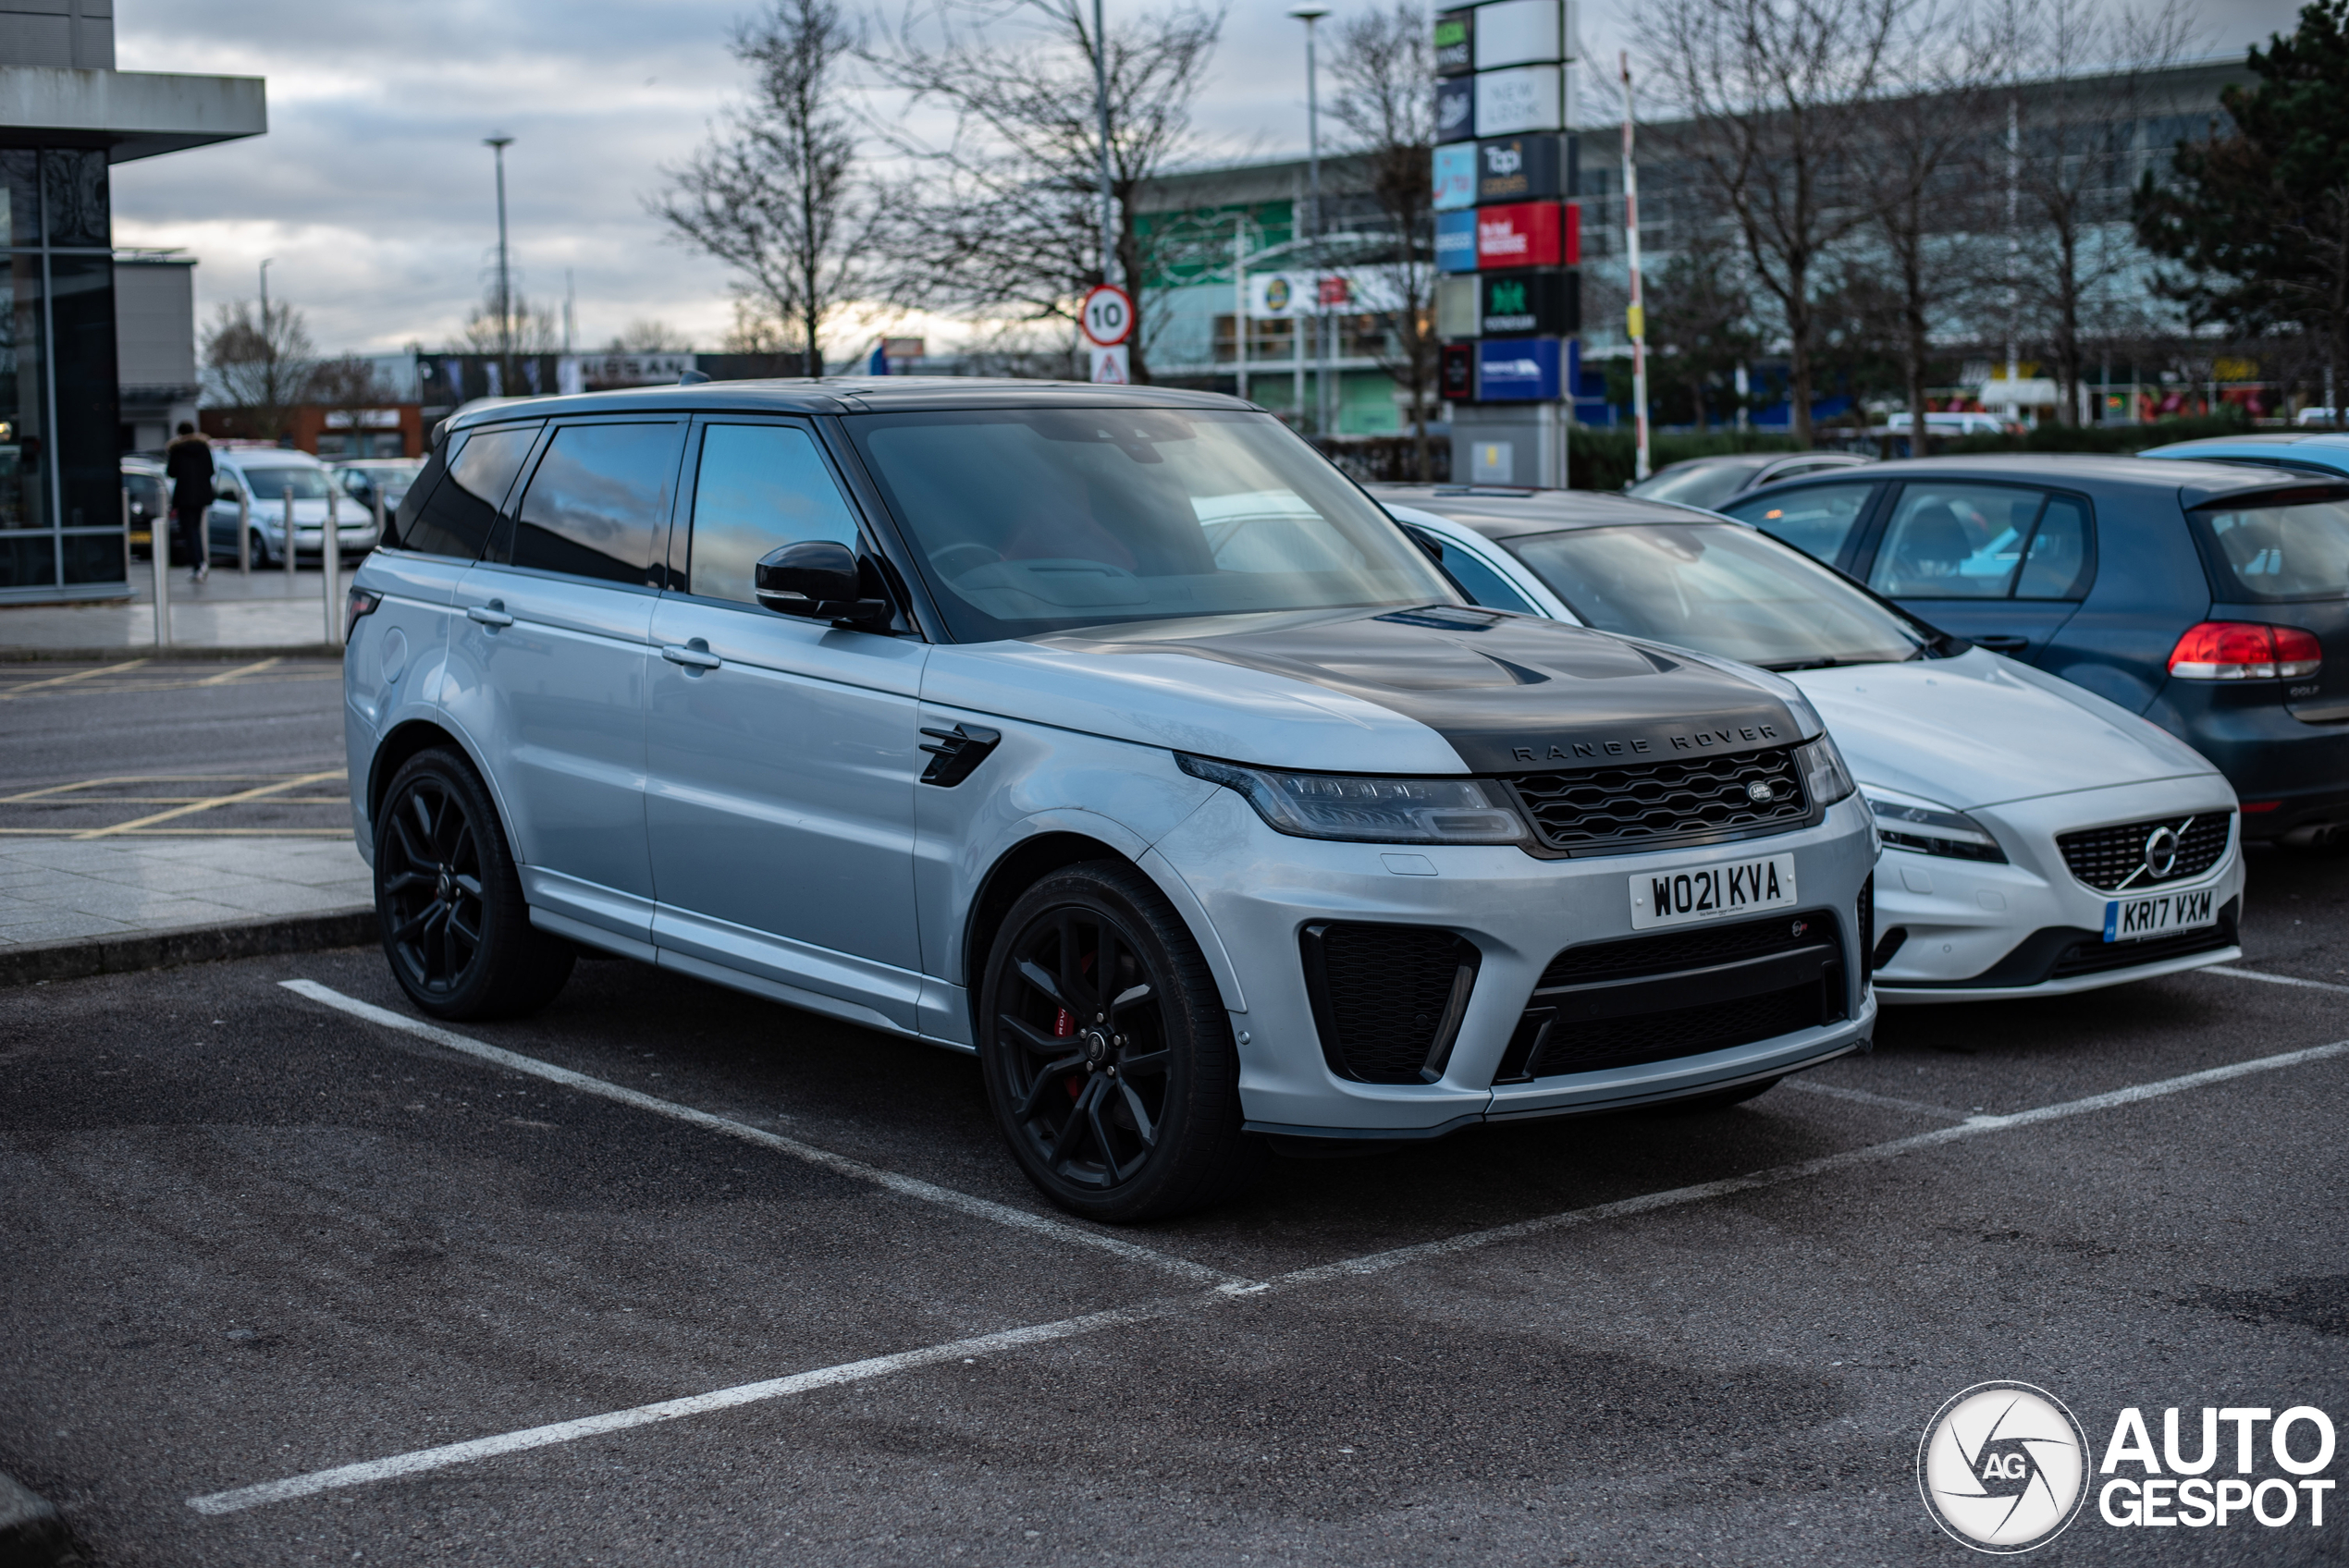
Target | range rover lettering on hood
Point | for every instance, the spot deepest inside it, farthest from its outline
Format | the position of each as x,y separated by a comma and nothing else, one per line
1511,693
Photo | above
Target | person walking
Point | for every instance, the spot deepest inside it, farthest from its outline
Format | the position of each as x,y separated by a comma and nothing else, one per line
188,464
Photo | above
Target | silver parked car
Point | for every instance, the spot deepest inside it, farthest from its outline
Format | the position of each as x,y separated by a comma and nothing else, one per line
1110,734
253,483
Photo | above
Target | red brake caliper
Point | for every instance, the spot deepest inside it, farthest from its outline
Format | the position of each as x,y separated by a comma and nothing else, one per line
1064,1027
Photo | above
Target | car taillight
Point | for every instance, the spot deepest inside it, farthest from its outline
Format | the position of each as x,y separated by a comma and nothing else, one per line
2242,650
362,602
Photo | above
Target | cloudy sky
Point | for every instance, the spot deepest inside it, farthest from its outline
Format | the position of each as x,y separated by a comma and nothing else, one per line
374,194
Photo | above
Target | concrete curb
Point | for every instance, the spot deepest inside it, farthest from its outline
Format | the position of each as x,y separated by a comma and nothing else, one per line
190,944
179,652
32,1532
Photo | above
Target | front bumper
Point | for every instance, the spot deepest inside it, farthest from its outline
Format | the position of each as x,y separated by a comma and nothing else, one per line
1977,931
1261,890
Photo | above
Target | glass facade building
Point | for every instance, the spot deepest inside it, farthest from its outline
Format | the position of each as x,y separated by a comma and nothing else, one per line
61,525
67,117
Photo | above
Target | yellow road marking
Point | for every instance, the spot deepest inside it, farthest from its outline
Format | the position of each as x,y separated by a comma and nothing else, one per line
56,681
257,792
49,790
228,674
186,833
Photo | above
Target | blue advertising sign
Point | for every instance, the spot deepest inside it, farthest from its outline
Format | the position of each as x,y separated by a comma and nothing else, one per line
1456,241
1455,176
1456,109
1518,370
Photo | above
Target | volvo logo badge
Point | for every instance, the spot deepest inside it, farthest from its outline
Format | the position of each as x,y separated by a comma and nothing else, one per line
1761,792
2161,852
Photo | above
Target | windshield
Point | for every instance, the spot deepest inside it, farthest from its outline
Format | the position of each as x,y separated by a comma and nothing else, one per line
1719,589
270,483
1029,521
2281,552
1696,485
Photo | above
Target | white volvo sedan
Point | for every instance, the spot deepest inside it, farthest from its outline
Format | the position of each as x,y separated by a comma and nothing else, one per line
2038,839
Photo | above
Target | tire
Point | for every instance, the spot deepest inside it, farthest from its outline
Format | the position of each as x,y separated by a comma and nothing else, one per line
260,556
449,899
1719,1099
1120,1108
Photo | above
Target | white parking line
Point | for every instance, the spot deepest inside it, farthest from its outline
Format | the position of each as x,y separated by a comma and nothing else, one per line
1374,1263
2271,979
667,1410
1861,1096
905,1186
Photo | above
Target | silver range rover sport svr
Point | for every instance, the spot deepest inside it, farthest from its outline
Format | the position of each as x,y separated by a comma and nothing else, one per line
1110,734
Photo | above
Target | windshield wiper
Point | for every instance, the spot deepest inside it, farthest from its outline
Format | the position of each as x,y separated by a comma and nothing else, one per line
1783,666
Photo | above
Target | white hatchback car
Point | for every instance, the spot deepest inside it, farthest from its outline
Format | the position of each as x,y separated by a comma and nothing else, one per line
2037,837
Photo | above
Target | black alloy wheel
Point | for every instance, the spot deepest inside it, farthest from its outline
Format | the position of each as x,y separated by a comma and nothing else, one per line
449,901
1108,1057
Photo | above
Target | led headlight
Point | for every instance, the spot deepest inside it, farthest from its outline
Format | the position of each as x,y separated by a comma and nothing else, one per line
1378,811
1824,775
1930,829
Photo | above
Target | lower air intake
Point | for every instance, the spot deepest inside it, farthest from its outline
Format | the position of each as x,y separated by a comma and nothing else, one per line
1387,999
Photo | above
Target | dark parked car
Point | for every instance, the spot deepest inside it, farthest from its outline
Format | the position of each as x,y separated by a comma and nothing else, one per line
1708,482
2213,598
150,501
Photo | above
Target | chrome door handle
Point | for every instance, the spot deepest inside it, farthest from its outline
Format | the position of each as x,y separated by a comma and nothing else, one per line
692,658
492,614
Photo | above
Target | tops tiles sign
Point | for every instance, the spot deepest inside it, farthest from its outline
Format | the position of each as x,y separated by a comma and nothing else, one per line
1517,169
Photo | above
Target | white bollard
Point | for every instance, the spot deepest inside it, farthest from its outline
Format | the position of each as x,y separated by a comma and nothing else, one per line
244,533
289,542
331,563
159,555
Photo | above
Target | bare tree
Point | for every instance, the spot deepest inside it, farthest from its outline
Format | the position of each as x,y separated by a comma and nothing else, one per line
648,335
1004,212
775,195
1698,321
259,362
1380,71
523,328
1926,166
1778,93
2082,84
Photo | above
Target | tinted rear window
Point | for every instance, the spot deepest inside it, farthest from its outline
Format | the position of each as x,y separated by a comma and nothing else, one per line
2298,550
599,502
1697,484
454,503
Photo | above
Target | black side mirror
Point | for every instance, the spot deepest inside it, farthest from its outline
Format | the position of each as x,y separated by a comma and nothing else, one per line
822,579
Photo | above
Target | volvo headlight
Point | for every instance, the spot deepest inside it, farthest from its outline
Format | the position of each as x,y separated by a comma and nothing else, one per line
1378,811
1824,775
1931,830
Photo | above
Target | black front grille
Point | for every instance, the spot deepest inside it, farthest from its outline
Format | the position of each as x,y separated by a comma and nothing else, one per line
1680,993
1688,1031
1652,806
1387,999
2105,857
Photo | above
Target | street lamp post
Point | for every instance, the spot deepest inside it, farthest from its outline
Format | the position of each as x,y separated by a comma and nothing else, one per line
268,354
499,145
1309,15
1100,105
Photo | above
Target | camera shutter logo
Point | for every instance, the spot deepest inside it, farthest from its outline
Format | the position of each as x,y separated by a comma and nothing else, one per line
2003,1467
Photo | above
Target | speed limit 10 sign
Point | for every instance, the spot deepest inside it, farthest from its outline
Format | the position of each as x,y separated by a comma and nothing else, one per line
1108,317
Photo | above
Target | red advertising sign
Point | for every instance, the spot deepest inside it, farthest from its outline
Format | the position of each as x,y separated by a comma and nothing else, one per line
1574,234
1525,234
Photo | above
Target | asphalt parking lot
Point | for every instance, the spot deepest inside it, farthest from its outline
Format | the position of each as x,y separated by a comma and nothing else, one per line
254,1236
